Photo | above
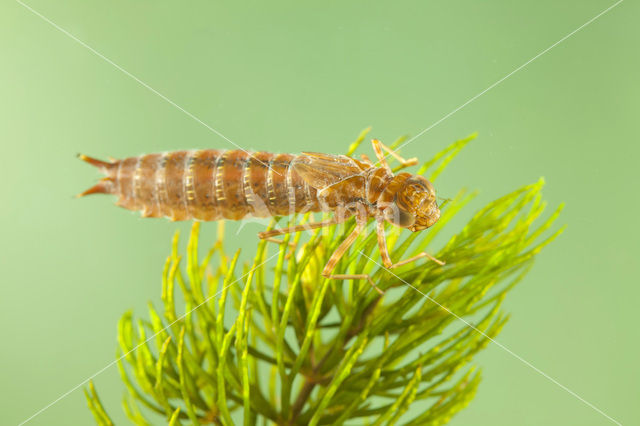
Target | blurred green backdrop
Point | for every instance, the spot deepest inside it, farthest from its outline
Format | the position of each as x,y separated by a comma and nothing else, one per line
286,76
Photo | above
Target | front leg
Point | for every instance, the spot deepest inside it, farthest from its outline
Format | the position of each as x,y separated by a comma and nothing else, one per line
378,147
384,251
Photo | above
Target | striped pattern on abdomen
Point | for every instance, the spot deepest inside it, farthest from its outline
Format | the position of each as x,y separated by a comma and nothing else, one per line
207,185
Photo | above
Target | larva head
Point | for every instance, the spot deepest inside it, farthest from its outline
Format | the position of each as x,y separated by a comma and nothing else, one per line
414,206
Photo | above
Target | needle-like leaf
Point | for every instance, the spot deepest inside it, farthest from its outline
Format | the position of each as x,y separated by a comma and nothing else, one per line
280,344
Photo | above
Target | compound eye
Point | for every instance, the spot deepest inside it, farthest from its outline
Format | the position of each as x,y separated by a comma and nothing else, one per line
406,219
430,188
400,217
420,183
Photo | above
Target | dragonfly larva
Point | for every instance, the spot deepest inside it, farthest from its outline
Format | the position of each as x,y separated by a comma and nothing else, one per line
210,185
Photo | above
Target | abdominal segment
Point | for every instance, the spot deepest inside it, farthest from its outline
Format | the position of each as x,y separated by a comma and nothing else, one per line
207,185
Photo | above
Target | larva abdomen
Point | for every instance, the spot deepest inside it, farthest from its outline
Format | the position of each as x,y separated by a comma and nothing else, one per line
206,185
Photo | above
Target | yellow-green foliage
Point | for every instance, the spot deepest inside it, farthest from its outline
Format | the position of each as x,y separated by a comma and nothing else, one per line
283,345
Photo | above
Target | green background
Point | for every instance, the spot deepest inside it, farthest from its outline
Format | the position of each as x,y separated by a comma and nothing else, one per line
290,77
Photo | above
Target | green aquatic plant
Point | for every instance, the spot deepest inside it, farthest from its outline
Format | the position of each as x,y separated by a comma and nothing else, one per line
259,344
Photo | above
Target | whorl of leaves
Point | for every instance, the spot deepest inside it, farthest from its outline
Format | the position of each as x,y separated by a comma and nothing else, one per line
285,346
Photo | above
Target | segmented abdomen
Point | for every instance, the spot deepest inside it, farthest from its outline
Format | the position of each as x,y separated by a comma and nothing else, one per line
208,185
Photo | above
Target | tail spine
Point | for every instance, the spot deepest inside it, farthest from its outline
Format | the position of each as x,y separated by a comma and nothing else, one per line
106,184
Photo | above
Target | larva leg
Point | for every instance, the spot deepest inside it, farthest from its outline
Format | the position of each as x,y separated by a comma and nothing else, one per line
356,277
291,245
377,148
416,257
277,241
384,251
381,157
382,243
341,250
297,228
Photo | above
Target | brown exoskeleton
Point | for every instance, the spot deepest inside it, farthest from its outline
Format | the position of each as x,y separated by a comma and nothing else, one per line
217,184
349,187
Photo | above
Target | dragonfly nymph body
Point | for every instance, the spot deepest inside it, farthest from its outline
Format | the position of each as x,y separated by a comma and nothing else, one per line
209,185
